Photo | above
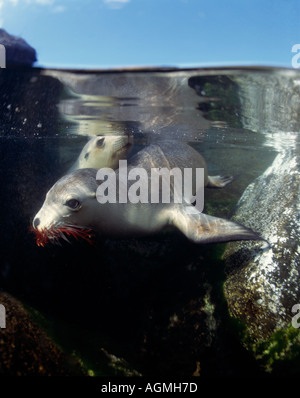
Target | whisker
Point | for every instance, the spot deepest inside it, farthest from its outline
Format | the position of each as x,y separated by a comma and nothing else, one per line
63,236
54,234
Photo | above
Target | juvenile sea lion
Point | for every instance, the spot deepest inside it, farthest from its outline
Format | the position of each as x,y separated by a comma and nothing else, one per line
103,151
71,207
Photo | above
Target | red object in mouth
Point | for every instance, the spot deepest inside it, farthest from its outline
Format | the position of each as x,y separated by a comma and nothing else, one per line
54,234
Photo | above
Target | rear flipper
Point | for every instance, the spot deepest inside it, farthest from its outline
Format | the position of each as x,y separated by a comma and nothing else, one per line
201,228
219,181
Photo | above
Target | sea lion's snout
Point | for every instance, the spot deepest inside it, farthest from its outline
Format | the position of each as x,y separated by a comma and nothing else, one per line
36,222
44,218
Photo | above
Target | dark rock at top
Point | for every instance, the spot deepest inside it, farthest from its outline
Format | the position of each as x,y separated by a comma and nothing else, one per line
18,51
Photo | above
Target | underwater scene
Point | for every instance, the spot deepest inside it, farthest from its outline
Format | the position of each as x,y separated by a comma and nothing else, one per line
139,287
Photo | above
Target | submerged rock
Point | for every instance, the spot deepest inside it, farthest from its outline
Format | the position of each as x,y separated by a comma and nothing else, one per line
119,365
18,51
26,350
263,282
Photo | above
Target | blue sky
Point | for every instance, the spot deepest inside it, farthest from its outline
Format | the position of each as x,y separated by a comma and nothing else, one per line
117,33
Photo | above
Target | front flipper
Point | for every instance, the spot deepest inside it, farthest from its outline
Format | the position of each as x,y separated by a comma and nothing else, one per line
219,181
201,228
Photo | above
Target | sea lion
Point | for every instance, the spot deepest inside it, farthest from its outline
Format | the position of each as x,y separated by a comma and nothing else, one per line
71,207
103,151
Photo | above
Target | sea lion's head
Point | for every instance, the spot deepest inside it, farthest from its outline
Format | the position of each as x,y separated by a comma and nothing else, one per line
68,209
104,151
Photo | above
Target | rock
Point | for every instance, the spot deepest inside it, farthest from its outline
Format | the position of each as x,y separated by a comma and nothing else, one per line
26,350
119,365
18,51
263,281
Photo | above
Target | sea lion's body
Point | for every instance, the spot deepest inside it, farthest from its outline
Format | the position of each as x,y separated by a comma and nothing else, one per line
72,203
176,154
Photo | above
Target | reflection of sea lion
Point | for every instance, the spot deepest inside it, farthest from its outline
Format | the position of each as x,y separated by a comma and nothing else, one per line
103,151
71,207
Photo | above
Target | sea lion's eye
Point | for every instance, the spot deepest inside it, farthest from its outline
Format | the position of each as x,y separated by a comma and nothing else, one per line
100,142
74,204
